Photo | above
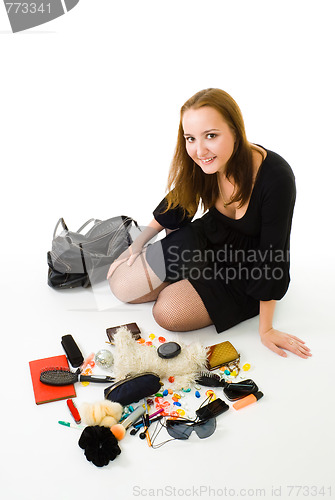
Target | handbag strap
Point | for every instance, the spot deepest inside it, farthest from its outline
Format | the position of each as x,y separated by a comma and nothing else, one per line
60,221
86,224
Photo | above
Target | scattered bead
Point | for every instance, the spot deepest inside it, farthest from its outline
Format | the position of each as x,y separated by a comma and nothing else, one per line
211,394
174,414
140,341
177,396
161,340
148,342
227,372
222,368
159,395
246,367
150,401
197,394
165,392
176,403
181,412
171,380
186,390
174,399
170,391
152,336
198,387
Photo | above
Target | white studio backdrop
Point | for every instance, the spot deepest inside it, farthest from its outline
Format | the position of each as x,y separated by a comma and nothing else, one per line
90,102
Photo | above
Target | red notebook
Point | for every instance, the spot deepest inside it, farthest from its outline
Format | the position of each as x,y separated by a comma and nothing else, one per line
47,393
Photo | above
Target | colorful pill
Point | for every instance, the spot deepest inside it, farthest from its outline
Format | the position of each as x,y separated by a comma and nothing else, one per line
226,372
246,367
197,394
171,380
181,412
161,340
165,392
152,336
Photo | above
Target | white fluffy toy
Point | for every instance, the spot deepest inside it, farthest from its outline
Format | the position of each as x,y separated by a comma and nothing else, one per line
104,413
133,358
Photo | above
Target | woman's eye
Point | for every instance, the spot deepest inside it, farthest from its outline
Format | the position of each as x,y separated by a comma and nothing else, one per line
189,139
211,136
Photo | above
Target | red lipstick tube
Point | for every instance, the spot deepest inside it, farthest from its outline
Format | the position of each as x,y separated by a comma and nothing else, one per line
74,411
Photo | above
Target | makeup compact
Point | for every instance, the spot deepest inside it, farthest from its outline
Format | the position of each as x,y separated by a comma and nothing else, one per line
168,350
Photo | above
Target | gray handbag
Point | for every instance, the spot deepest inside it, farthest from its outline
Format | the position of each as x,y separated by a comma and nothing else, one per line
78,259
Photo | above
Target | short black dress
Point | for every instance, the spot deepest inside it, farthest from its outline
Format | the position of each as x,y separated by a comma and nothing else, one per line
232,263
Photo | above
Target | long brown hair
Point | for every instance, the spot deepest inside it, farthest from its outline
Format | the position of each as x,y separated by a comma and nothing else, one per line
187,183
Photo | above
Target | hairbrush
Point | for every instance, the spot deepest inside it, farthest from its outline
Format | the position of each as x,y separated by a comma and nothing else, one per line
210,380
63,376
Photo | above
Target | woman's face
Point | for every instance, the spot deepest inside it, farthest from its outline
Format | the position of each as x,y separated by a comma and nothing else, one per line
209,139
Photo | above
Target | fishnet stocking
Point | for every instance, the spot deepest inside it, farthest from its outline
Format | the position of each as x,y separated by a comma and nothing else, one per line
179,308
136,283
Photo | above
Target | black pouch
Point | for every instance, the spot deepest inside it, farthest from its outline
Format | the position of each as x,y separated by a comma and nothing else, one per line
133,388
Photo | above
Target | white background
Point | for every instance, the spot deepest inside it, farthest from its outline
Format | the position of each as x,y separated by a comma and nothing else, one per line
89,110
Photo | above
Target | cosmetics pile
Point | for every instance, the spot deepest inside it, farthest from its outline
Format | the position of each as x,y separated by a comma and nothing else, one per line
168,408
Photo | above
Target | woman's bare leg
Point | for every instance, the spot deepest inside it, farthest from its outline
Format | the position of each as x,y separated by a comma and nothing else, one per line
137,283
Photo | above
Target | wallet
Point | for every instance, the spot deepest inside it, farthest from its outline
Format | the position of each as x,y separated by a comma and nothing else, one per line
132,327
133,388
223,354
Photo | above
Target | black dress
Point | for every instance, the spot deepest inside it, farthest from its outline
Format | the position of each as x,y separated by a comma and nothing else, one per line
233,263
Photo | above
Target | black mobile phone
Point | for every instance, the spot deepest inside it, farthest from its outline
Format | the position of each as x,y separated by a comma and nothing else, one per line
240,390
212,409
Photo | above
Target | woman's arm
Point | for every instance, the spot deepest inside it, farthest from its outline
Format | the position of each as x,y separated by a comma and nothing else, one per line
274,339
133,251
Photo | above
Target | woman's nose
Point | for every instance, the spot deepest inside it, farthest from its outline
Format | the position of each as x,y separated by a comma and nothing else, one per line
201,150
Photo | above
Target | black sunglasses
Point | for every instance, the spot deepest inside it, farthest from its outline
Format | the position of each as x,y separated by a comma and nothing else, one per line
182,429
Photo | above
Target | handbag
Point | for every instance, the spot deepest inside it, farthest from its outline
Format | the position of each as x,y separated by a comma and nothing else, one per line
78,259
133,388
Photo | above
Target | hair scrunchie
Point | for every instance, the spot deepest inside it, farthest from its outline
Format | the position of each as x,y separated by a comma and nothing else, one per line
99,445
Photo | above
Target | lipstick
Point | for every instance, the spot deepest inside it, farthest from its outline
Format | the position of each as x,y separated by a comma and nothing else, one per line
248,400
74,411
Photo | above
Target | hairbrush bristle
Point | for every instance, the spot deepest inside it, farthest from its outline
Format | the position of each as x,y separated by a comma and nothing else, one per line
209,379
58,376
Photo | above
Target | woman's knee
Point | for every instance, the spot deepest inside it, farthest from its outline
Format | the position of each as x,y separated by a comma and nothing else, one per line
164,315
119,289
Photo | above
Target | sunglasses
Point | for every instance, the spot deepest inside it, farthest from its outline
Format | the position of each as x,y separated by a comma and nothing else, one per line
182,429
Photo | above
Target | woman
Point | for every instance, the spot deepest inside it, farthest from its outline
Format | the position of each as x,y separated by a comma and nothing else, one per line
233,262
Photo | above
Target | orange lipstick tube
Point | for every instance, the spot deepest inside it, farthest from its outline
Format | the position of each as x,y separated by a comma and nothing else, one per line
248,400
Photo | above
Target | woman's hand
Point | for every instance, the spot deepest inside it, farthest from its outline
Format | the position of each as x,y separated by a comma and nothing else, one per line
129,256
275,340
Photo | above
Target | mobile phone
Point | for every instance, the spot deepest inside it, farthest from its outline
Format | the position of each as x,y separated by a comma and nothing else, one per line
239,390
212,409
